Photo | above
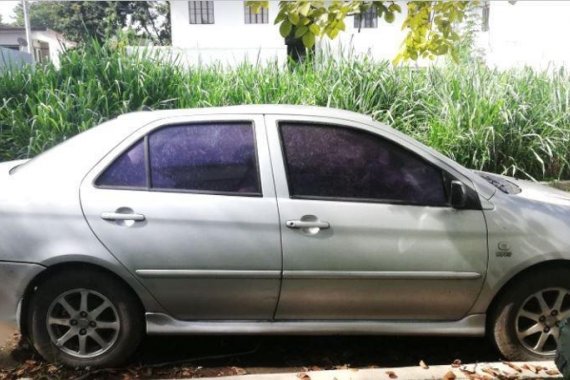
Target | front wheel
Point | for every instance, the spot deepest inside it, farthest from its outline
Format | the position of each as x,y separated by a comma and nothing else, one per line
528,315
85,319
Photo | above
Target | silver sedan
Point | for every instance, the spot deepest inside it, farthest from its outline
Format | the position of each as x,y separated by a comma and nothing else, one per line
272,220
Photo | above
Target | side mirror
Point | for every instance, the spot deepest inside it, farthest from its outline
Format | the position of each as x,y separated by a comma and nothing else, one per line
458,196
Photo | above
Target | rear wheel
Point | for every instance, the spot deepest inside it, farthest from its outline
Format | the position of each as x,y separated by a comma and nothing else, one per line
85,318
528,315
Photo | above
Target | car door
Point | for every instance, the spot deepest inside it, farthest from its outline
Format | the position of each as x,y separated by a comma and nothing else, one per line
188,205
367,229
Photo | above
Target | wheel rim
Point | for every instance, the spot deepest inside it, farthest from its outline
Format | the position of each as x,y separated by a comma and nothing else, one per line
538,320
83,323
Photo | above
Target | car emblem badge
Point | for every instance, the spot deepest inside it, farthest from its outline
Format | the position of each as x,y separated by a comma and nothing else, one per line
504,250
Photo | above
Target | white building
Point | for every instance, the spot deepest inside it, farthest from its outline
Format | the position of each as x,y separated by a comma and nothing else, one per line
526,33
228,31
47,45
225,31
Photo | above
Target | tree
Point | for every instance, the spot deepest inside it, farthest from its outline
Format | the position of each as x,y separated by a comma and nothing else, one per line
82,20
150,19
42,15
431,26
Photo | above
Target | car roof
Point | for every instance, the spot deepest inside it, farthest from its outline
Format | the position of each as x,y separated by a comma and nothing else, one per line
286,109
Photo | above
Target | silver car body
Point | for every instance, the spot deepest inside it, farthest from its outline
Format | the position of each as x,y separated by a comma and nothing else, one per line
204,263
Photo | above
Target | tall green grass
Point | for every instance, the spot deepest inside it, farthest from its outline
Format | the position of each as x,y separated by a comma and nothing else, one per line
513,122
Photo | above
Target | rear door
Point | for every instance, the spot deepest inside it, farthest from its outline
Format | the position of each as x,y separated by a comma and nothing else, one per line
367,229
188,205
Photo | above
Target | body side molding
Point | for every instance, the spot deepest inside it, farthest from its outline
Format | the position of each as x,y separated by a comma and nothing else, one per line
307,274
381,275
191,273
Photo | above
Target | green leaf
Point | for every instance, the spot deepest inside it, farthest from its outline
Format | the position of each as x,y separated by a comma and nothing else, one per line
280,17
441,50
294,18
304,9
301,31
397,59
395,8
315,29
285,29
309,40
454,56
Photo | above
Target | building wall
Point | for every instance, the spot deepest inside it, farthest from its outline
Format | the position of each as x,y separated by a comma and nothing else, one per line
56,44
527,33
229,40
53,39
10,38
380,43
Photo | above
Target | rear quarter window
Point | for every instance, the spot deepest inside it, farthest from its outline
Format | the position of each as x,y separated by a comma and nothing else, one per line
127,171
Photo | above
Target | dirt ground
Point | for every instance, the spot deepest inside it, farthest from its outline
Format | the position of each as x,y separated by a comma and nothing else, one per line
186,357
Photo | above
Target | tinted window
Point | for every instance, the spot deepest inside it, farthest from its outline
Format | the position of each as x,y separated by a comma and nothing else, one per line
251,17
336,162
367,19
208,157
126,171
201,12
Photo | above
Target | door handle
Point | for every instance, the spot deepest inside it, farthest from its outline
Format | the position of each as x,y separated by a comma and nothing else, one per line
121,216
308,224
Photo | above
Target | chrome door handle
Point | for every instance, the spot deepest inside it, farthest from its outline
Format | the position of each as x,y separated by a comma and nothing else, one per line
308,224
120,216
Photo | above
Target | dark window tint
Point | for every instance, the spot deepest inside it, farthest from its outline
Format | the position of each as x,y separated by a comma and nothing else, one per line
368,19
126,171
261,17
210,157
338,162
201,12
485,13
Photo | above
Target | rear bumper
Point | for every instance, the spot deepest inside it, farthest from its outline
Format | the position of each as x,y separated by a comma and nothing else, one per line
14,278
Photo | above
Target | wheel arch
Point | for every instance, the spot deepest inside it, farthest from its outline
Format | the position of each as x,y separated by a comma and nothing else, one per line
61,267
545,265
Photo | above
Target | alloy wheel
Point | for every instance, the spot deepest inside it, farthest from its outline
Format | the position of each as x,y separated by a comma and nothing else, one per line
83,323
538,320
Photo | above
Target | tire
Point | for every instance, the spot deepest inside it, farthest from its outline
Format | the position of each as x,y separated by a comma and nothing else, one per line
520,322
106,334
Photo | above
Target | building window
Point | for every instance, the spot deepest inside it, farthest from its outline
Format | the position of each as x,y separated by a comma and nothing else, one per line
201,12
485,11
367,19
262,17
11,47
41,51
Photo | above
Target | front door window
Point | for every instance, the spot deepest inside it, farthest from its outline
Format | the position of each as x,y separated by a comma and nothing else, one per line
331,162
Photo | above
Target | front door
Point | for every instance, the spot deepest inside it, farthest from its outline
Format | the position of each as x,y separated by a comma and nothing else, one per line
367,229
189,207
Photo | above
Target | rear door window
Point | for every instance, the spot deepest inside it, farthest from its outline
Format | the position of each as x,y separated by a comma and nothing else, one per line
212,158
